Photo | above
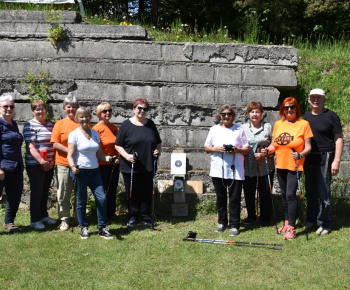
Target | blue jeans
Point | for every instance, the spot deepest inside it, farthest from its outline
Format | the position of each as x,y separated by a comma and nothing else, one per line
91,178
318,189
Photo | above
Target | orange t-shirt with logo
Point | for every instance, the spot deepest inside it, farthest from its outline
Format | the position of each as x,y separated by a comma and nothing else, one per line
108,136
60,134
288,137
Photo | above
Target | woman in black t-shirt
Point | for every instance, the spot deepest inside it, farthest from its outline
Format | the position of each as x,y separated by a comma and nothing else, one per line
138,143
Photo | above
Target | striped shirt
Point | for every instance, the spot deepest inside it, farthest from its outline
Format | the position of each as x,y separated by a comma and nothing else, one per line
41,135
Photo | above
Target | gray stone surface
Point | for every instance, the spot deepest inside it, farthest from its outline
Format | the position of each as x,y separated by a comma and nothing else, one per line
28,16
184,82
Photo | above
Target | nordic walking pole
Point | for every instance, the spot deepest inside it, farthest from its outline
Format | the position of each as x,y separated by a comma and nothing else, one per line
155,157
111,176
257,185
75,196
273,206
191,236
132,171
301,197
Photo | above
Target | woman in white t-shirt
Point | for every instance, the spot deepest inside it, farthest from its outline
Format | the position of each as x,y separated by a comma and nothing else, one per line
84,150
227,145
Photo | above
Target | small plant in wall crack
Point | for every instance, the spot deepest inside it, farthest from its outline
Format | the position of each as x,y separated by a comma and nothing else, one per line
38,86
56,32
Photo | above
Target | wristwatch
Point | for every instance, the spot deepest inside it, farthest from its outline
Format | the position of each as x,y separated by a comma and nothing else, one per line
301,156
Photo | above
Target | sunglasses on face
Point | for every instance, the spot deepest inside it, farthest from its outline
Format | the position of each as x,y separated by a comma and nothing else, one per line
286,108
142,109
106,111
225,114
9,107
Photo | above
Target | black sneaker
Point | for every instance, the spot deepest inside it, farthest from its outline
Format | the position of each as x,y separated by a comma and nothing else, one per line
148,222
249,221
103,233
132,222
84,233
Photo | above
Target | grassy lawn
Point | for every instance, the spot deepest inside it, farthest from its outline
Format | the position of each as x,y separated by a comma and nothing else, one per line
146,259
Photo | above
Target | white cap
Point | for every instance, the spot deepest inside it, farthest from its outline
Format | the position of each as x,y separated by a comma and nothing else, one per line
318,92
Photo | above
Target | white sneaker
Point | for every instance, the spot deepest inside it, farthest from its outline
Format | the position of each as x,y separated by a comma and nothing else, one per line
37,225
47,220
322,231
64,226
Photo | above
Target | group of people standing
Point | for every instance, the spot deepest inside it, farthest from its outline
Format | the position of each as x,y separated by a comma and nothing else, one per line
83,157
242,156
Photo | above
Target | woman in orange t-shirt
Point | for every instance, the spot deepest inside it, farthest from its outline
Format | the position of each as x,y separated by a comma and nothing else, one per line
289,133
59,138
109,172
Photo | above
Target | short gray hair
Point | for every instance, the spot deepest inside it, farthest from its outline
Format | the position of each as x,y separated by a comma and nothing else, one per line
6,98
223,108
70,100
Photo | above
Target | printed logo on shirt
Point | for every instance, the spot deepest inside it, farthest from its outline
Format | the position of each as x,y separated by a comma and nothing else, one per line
284,139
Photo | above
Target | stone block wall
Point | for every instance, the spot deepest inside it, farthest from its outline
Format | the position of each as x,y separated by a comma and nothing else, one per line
184,82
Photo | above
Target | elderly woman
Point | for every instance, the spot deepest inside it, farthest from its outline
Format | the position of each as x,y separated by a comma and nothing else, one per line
40,160
11,163
289,134
59,139
258,134
109,173
138,135
84,150
227,145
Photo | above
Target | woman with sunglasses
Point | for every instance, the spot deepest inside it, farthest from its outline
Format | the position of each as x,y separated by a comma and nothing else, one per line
11,162
227,145
138,143
258,134
291,143
109,172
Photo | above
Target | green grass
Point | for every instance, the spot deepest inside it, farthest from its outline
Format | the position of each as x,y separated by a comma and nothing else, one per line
146,259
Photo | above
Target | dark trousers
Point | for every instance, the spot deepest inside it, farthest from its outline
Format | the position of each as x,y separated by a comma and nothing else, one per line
235,191
141,197
249,187
289,183
110,183
318,189
40,182
13,184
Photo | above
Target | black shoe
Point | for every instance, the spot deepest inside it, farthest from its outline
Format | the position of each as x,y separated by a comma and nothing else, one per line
103,233
249,221
264,224
148,222
84,233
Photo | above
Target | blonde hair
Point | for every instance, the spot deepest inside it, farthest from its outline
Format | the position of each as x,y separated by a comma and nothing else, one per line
101,107
80,111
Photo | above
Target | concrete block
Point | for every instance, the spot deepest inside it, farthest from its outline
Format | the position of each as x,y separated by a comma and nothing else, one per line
173,137
201,53
192,186
173,94
268,97
173,73
173,52
229,95
228,74
269,76
196,137
201,94
179,197
40,30
28,16
200,74
179,209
